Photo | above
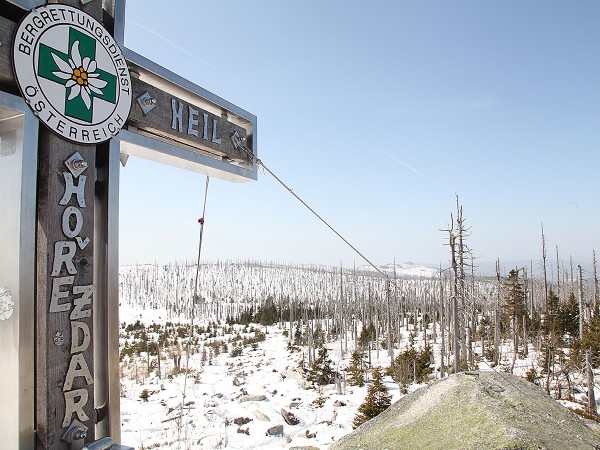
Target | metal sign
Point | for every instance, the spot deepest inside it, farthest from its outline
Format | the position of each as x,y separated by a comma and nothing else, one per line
72,74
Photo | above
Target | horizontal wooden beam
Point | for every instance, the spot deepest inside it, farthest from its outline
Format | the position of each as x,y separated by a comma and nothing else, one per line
177,120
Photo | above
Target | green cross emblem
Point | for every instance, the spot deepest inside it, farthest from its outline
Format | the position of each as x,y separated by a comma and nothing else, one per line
78,72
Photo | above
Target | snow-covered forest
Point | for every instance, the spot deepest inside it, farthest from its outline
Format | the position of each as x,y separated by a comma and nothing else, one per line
277,355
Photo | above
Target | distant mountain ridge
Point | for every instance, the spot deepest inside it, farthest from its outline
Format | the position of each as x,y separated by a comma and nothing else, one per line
406,269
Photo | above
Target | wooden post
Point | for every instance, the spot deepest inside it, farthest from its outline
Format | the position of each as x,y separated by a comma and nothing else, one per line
65,287
65,284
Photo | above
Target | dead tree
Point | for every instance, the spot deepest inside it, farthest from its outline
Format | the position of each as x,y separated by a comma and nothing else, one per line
497,316
588,351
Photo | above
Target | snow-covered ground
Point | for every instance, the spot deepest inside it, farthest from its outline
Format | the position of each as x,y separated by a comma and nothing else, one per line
212,400
217,382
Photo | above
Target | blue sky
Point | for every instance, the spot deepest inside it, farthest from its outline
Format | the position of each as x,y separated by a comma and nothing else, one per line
377,114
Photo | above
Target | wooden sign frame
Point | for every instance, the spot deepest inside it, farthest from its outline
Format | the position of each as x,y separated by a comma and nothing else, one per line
149,144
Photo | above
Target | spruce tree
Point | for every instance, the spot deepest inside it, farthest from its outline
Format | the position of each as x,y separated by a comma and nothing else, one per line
411,366
376,401
356,376
552,336
514,305
320,370
569,316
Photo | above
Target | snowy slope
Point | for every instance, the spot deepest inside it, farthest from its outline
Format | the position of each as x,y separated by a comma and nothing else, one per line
212,401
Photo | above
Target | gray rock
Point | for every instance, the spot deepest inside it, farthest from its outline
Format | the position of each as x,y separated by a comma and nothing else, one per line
252,398
277,430
241,420
480,410
304,447
289,418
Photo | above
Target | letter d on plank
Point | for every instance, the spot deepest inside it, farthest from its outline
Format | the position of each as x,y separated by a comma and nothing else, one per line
80,341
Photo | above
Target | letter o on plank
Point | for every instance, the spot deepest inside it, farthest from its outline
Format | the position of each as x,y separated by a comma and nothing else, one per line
66,222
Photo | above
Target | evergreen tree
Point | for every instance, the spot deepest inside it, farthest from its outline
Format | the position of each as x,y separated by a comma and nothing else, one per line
376,401
515,295
591,340
320,370
298,336
552,335
411,366
514,305
366,335
318,336
569,316
356,375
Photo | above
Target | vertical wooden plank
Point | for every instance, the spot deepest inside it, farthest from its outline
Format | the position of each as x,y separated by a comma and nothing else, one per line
57,345
65,284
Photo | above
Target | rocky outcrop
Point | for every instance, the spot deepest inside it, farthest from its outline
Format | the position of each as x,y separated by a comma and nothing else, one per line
478,410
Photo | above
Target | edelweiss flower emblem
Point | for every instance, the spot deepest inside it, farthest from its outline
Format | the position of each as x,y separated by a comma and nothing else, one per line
72,73
81,75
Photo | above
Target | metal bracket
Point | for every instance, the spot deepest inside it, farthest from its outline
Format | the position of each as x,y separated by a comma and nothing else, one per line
146,102
75,435
106,443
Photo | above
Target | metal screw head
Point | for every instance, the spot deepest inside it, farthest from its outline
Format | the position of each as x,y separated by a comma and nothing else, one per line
59,338
76,164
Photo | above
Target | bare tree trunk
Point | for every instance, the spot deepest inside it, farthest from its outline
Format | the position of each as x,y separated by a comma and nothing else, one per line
463,318
442,326
581,303
455,314
595,297
590,382
389,319
497,317
158,360
557,274
588,350
544,265
515,326
525,337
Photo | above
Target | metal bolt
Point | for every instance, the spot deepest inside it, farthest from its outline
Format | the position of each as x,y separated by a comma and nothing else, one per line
79,434
149,101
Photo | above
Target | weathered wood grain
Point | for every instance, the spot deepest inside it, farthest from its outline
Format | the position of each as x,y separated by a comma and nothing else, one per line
160,121
52,361
7,78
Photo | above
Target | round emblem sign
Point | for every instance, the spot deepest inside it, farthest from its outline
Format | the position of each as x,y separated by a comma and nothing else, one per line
72,74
